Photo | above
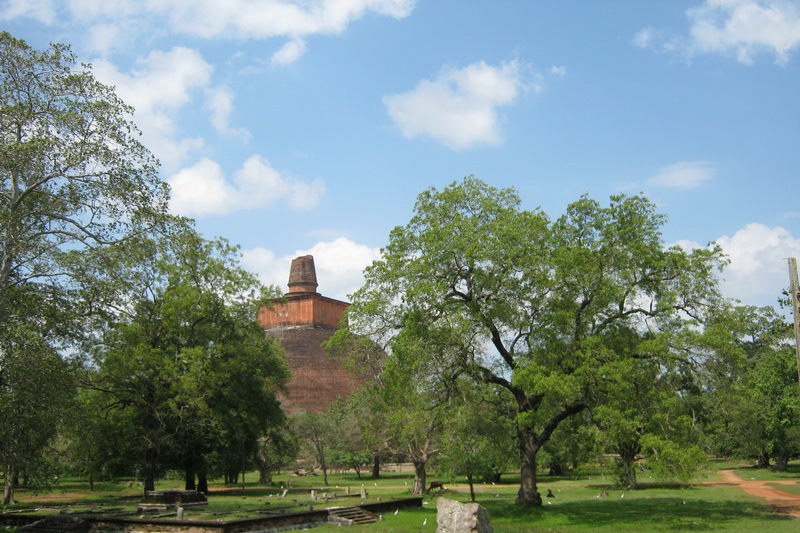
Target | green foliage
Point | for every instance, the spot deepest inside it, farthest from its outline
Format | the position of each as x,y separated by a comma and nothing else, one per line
36,388
751,398
673,461
73,179
477,440
73,176
185,362
549,311
321,438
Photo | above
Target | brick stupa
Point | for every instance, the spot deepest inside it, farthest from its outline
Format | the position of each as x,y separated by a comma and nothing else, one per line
303,319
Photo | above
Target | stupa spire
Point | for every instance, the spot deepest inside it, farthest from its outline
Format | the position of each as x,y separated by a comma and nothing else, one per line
303,275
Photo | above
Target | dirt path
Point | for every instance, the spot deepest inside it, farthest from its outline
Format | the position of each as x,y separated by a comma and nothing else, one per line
780,501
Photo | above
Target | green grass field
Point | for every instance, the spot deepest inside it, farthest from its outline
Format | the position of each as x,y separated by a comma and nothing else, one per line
657,507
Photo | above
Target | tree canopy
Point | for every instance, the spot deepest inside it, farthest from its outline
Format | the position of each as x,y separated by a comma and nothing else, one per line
167,362
73,179
534,306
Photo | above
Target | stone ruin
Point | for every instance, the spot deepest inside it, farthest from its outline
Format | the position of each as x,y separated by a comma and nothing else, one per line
455,517
171,499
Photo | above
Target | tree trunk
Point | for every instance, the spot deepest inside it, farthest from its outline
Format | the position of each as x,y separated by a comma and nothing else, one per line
528,495
781,460
763,460
419,477
189,477
471,488
264,472
202,481
8,485
151,456
528,449
376,466
627,459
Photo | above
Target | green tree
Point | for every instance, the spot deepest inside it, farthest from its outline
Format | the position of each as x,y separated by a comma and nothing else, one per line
320,435
170,359
36,387
478,438
576,442
646,414
366,408
73,178
276,448
749,376
368,428
351,451
540,302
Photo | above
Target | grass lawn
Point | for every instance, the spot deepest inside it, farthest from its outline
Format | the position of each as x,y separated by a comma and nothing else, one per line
765,474
793,489
657,507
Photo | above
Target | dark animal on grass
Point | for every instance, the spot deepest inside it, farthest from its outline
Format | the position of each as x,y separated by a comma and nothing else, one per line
550,494
435,485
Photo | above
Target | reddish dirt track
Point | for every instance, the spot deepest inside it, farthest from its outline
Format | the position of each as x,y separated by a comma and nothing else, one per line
780,501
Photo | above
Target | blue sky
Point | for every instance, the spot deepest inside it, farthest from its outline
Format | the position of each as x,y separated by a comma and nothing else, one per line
294,127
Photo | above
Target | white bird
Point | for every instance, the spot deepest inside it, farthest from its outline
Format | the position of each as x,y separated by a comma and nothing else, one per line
496,495
395,511
376,484
622,496
549,503
425,522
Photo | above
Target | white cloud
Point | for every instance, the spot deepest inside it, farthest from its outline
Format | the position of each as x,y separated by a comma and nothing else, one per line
459,106
737,28
339,264
239,19
757,272
744,28
164,83
290,52
202,189
272,18
683,175
94,9
41,10
219,102
643,38
103,38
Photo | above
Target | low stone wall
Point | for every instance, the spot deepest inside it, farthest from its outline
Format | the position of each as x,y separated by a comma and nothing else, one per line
243,525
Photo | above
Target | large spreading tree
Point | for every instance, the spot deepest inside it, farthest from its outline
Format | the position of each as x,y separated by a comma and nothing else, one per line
530,305
73,179
184,365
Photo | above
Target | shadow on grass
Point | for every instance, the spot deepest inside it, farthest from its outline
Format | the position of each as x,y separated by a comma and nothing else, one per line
643,487
664,513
